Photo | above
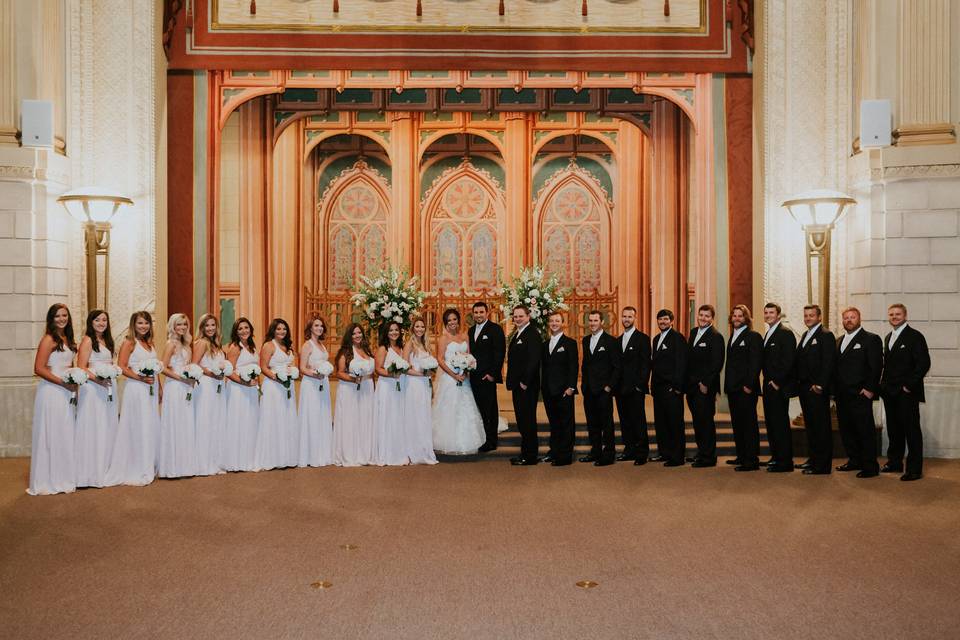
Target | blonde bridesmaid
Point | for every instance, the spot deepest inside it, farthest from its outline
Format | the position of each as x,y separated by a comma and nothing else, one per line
316,420
418,399
210,400
178,447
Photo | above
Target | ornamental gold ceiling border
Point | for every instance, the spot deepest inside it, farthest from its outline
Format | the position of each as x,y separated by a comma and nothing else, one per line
216,25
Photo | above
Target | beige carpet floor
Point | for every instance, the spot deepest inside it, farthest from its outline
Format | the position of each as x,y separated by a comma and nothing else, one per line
483,550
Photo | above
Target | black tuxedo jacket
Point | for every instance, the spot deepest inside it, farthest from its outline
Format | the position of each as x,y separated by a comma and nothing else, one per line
815,362
744,361
489,349
778,355
523,358
705,361
669,362
635,363
558,370
905,363
860,366
602,367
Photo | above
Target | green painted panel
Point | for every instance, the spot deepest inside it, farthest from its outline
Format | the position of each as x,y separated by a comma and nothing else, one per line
409,96
429,74
310,74
280,116
354,96
524,96
337,167
437,117
488,74
332,116
364,73
590,165
200,130
301,95
547,74
466,96
569,96
606,74
686,94
250,74
625,96
370,116
228,315
552,116
481,116
480,162
229,93
590,116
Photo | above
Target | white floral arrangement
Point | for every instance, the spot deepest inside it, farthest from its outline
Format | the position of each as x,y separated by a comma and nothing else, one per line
191,372
149,368
540,293
390,296
286,376
107,371
429,366
360,368
462,362
398,366
324,369
77,376
221,368
250,372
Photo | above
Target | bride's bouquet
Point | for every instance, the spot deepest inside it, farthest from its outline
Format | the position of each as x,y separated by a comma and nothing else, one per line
250,372
397,366
391,296
462,362
107,371
360,368
77,376
538,292
286,376
324,369
191,372
221,369
149,368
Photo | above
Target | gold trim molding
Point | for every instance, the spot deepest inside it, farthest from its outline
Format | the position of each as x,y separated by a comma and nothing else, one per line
911,135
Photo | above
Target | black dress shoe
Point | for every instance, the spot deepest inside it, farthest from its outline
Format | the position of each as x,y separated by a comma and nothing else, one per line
604,462
889,468
804,465
484,448
867,474
588,459
779,468
547,458
658,458
747,467
639,462
909,477
810,471
691,459
699,464
674,463
847,466
626,456
766,463
561,463
523,462
735,462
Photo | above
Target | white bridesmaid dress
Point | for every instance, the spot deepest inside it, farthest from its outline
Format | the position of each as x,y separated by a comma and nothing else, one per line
52,457
98,419
243,418
178,447
133,458
457,425
388,417
354,444
210,408
418,414
278,436
316,420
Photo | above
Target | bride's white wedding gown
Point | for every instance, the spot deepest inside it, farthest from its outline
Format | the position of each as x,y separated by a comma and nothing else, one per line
457,425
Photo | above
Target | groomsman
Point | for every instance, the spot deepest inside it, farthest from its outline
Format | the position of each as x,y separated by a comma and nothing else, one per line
488,346
704,365
779,350
634,385
906,362
558,380
599,376
742,386
815,364
859,364
523,381
668,366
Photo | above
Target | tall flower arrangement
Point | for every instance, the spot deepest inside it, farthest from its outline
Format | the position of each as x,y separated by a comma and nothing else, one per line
390,296
539,292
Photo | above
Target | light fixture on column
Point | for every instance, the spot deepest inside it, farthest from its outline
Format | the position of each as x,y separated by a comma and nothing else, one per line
94,207
817,211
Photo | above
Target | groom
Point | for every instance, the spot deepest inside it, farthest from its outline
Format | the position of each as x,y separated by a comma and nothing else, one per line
488,346
523,381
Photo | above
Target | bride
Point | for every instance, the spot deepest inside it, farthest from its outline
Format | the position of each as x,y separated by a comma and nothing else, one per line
457,425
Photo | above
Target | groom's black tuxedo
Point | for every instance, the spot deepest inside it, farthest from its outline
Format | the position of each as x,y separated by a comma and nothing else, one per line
559,373
523,367
488,347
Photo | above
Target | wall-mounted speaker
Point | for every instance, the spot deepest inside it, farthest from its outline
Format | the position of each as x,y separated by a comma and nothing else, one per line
875,123
36,123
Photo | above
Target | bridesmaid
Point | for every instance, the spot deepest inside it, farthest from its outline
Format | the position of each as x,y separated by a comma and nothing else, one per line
178,447
97,414
134,454
316,422
210,401
418,401
388,415
52,461
278,436
353,435
243,401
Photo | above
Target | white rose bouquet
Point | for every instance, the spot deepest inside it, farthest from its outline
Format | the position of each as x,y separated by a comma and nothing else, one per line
360,368
77,376
535,290
286,376
250,372
149,368
221,368
191,372
462,362
107,371
429,366
391,296
324,369
398,366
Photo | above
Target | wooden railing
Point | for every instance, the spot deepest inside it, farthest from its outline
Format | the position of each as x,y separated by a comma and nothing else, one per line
339,311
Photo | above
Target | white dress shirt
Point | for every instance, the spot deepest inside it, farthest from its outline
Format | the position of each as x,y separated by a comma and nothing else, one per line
848,338
554,339
663,335
594,339
477,329
810,333
736,333
625,338
770,331
700,332
895,335
520,330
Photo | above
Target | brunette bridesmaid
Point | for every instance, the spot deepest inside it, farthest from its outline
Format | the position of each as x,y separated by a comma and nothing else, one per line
388,413
243,400
278,436
354,443
98,416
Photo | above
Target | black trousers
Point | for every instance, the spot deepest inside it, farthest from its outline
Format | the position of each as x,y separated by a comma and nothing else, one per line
668,421
776,415
485,395
703,406
562,429
599,410
746,431
903,430
858,430
633,424
525,409
816,421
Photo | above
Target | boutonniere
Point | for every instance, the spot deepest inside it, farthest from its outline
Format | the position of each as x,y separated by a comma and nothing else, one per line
560,350
485,337
743,343
814,341
856,346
